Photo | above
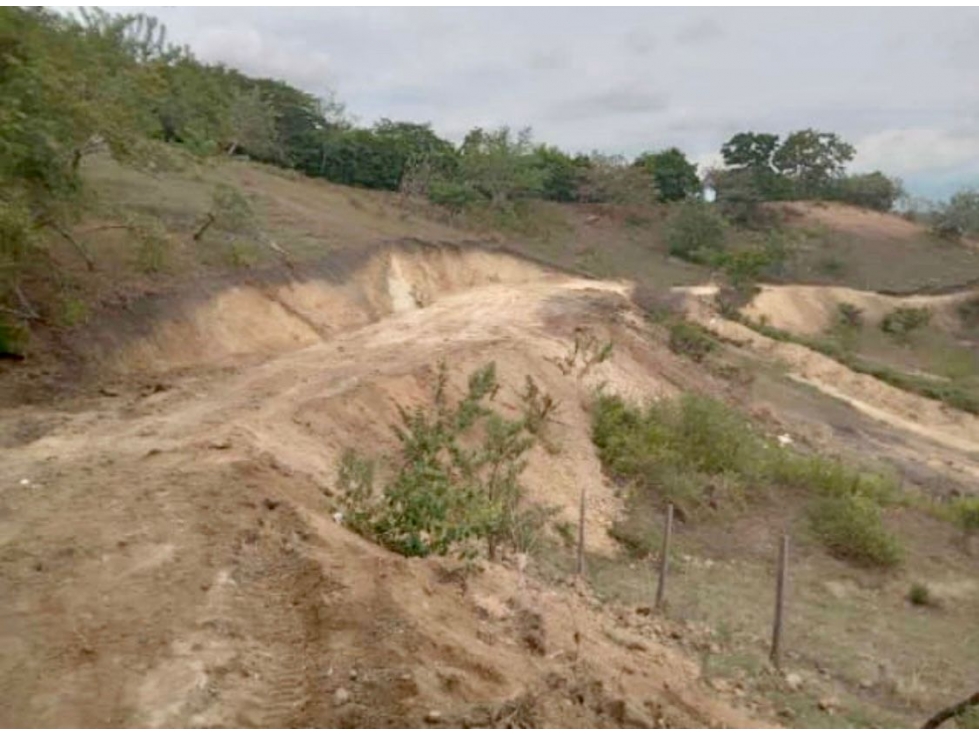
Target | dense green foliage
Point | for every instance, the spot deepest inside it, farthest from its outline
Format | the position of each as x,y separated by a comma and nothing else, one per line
850,527
695,232
700,454
807,164
457,475
675,177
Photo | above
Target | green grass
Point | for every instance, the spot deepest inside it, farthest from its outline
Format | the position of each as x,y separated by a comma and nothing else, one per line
694,451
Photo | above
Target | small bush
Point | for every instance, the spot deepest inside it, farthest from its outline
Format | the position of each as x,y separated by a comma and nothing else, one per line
566,531
849,316
851,528
454,196
12,339
969,312
919,595
965,512
746,266
902,321
968,719
691,340
695,232
458,479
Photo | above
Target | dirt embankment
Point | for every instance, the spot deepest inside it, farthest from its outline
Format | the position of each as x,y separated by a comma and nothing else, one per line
810,310
906,412
168,557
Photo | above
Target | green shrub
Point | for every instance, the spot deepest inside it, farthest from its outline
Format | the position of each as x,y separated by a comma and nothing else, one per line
851,528
919,595
746,266
695,232
567,532
458,478
695,451
691,340
12,338
965,512
849,316
903,320
452,195
968,719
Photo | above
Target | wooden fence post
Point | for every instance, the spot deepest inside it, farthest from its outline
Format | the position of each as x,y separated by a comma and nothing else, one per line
781,582
664,558
580,564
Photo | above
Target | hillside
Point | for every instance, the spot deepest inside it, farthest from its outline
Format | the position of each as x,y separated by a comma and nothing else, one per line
169,551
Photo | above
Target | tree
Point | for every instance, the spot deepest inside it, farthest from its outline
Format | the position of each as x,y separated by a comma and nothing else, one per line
695,232
610,179
870,190
750,150
675,177
253,126
559,171
751,175
961,213
812,160
500,165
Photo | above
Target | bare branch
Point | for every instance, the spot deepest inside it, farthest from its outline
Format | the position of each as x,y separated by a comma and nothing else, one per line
203,228
947,713
82,250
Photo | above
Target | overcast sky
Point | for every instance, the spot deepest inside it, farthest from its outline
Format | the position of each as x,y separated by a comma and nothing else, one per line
900,84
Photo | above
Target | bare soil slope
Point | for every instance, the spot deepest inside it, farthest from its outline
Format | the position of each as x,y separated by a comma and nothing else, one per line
805,309
168,557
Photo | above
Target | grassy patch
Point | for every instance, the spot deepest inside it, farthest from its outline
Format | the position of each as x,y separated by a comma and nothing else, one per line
695,451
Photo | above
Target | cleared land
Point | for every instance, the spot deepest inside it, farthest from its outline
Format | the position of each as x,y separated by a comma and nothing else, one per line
168,553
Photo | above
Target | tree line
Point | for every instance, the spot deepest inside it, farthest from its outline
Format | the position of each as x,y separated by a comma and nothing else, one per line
73,84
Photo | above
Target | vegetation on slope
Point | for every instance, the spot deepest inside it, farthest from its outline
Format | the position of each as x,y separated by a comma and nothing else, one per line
700,454
457,475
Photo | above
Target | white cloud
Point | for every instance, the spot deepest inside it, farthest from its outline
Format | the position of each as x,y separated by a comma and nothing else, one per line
913,151
896,82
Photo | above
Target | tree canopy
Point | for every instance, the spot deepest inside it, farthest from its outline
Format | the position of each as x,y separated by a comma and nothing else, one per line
675,177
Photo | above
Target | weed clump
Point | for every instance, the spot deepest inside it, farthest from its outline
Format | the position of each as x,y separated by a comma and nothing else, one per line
849,316
920,595
851,528
691,340
904,320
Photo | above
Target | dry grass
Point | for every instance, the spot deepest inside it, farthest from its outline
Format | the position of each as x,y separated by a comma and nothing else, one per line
845,245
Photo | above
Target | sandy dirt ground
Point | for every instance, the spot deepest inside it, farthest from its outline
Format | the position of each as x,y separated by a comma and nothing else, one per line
168,555
932,434
810,310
